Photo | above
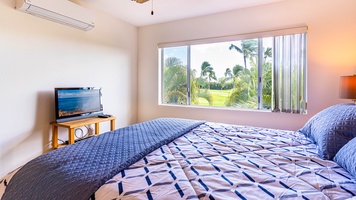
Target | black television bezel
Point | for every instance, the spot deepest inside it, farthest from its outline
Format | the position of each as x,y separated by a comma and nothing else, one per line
77,116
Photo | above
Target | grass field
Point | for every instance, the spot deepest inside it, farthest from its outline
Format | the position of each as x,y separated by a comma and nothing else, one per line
219,97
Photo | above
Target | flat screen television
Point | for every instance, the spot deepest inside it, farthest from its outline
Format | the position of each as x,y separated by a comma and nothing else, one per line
77,102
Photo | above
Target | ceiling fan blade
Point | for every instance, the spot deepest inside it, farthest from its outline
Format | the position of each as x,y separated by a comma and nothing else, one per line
141,1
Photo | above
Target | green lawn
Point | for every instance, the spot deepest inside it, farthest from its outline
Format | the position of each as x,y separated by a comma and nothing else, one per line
219,97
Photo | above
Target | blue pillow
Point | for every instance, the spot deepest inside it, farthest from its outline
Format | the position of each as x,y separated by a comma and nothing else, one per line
331,129
346,157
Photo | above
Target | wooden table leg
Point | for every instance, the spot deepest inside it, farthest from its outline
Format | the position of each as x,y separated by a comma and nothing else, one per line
54,137
112,124
71,136
96,128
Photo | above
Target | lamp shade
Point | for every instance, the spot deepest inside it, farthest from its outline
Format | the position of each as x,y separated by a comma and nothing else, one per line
347,87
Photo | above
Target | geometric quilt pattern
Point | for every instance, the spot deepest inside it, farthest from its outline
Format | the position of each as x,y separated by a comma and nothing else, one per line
222,161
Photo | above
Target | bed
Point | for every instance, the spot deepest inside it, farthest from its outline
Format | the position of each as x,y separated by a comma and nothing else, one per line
207,160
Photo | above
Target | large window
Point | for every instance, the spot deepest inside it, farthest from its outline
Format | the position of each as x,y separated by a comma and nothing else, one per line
260,71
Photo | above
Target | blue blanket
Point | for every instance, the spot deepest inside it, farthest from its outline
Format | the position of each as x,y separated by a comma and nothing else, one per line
77,171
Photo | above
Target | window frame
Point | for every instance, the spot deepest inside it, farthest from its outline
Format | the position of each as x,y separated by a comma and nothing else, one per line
239,37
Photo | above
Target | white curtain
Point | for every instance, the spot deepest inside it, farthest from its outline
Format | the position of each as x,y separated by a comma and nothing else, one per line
289,73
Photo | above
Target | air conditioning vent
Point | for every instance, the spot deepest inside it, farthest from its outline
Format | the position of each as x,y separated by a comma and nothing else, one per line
61,11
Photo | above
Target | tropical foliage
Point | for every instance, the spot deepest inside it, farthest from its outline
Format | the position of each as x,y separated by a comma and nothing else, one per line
239,82
175,82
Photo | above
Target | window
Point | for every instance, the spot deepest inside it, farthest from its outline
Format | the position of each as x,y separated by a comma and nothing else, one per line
264,71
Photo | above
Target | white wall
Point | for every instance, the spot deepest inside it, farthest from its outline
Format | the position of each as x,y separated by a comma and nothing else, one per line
331,53
37,55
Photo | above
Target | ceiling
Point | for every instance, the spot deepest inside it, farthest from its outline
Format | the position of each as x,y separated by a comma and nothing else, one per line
169,10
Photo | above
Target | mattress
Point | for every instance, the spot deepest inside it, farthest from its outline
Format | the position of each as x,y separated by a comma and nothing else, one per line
220,161
223,161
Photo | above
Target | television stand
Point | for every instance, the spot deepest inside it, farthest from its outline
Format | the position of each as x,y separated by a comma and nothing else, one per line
71,125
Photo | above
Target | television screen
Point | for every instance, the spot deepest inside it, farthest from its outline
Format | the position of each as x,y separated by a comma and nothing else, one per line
77,103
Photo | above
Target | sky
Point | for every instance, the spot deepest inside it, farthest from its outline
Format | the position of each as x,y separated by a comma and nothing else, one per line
217,54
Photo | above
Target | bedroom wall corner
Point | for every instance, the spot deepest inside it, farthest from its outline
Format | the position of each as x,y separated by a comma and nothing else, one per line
37,55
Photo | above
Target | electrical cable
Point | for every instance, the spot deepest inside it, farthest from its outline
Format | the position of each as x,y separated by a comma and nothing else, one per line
90,130
75,134
62,141
81,131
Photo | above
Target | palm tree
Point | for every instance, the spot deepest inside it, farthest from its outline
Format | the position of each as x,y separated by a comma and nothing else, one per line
194,87
172,61
248,49
266,77
239,96
196,92
242,94
207,71
228,74
236,70
175,81
267,80
222,81
267,53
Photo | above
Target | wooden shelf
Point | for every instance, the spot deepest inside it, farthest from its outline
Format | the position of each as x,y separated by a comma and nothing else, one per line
71,125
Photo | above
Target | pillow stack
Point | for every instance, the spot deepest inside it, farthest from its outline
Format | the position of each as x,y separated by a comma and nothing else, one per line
346,157
331,129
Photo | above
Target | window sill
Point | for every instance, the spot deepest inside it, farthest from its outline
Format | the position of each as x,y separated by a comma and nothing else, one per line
214,108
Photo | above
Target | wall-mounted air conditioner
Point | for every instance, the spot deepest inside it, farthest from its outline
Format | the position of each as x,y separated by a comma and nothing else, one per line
61,11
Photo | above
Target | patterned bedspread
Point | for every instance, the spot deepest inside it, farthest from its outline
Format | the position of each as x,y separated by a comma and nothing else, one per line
76,171
220,161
